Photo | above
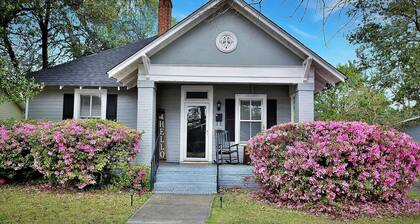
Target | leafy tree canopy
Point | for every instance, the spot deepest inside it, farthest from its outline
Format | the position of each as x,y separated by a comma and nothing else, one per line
38,34
388,37
14,85
354,100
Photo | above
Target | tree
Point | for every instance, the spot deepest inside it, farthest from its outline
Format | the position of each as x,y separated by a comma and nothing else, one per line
14,85
41,33
389,48
354,100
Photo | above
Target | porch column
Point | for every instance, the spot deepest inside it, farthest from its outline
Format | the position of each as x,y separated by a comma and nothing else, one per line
304,102
146,119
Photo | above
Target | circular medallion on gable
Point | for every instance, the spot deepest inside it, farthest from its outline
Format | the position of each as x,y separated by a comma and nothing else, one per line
226,42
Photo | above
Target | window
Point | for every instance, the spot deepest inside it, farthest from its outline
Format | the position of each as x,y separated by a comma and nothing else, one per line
250,116
90,103
196,95
90,106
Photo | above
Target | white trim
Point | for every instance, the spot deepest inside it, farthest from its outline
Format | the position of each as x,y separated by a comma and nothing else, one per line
227,74
183,134
238,98
249,12
307,66
146,65
79,92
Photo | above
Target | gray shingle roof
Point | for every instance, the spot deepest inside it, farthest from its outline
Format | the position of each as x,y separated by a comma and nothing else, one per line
89,70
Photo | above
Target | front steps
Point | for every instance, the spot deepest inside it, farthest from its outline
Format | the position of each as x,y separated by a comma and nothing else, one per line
175,178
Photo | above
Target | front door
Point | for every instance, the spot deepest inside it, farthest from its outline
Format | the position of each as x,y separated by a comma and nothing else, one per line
196,125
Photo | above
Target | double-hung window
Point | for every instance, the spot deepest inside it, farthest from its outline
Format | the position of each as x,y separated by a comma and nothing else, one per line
250,115
90,103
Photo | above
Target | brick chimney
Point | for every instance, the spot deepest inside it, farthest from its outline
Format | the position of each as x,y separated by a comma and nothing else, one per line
164,16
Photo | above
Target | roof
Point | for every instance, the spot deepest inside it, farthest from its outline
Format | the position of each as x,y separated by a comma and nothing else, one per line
327,73
89,70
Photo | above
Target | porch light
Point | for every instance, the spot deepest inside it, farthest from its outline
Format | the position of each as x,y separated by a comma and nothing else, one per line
219,105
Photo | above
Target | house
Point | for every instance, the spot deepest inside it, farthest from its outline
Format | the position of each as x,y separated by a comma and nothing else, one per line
10,110
224,67
412,127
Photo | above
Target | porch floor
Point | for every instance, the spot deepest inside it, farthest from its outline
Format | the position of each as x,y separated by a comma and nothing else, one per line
197,178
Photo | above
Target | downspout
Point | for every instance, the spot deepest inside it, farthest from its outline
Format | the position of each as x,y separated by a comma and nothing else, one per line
27,109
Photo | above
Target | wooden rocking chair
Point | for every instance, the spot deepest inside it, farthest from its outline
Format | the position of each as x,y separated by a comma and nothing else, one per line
226,153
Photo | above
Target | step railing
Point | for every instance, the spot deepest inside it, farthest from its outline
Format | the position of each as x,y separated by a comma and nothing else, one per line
154,163
217,175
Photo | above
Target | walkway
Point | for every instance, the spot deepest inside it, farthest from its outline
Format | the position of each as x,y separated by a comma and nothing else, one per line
173,209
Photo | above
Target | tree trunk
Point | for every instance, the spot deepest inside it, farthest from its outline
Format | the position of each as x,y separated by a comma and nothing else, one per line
44,46
9,49
43,26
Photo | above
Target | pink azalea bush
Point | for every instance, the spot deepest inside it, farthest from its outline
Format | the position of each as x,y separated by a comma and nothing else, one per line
339,168
83,152
69,153
15,147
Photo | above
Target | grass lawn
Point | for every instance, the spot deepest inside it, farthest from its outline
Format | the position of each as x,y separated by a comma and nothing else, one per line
240,208
20,204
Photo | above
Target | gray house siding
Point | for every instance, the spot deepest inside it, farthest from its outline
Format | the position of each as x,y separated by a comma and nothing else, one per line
198,46
414,132
49,105
169,100
127,107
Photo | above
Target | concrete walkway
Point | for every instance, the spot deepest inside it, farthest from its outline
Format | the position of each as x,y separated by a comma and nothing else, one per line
169,208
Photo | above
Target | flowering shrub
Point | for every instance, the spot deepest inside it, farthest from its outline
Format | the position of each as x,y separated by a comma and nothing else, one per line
339,168
133,177
83,152
15,157
70,153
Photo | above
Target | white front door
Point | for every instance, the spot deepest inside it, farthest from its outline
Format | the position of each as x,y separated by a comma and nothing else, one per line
196,123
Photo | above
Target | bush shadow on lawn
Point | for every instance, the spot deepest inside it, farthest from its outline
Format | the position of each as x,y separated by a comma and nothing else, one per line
240,207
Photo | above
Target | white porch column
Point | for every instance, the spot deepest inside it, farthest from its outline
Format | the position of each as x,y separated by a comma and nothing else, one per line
146,119
304,102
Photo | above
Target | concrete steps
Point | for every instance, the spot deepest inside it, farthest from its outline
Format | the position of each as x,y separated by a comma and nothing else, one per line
186,179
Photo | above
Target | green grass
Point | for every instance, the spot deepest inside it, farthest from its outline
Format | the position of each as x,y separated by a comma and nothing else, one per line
20,204
241,208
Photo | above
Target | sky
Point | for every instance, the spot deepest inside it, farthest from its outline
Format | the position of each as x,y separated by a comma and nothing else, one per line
329,40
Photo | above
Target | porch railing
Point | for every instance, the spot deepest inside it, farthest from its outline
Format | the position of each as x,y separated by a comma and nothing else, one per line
154,163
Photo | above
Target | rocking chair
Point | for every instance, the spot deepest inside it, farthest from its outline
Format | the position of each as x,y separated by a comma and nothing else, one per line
226,153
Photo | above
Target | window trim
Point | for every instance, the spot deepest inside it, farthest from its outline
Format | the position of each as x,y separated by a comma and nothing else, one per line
255,97
81,92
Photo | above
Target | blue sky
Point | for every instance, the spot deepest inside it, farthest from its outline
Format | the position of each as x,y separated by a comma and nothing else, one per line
309,30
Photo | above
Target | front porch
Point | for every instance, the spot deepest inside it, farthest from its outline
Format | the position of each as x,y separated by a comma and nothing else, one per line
196,178
193,113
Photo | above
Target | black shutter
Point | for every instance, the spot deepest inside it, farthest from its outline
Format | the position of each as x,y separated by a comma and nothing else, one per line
68,106
271,113
111,107
230,118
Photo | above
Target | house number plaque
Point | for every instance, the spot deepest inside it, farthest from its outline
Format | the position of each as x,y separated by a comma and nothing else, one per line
162,135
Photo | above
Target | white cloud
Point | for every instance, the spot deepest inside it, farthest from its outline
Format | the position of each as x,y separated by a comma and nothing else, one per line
302,33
